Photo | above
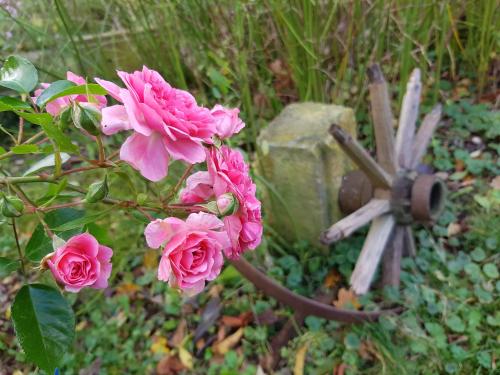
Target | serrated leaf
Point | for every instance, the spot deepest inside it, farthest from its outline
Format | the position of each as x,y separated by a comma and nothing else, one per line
80,222
51,92
43,119
44,324
46,162
25,149
8,266
40,244
61,139
18,74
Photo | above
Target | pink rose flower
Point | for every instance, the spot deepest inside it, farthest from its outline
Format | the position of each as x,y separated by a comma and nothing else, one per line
58,105
81,262
227,121
228,173
193,249
166,122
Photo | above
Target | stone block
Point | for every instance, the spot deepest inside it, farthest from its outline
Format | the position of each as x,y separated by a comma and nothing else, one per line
302,168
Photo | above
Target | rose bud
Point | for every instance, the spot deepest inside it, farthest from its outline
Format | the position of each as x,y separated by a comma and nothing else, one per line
11,206
227,204
97,191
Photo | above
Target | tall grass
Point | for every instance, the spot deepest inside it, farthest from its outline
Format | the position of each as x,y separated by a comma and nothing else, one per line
262,54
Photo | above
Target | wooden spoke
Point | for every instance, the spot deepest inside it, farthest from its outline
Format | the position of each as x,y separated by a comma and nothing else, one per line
373,248
408,120
378,176
382,119
392,258
409,248
424,135
356,220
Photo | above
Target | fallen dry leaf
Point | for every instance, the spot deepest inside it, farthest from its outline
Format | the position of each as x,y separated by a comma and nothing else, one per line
179,334
300,360
332,279
169,365
340,369
347,298
237,321
495,183
159,345
186,358
228,343
454,229
150,259
127,288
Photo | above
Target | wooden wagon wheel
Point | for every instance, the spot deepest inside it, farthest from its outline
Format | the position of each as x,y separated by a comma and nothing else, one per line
390,192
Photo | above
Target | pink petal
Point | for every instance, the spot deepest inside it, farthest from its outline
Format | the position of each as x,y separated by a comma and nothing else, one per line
114,119
70,76
164,269
146,154
110,87
185,148
204,221
84,242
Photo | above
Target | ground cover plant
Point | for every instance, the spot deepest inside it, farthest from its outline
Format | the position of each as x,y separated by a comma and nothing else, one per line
260,56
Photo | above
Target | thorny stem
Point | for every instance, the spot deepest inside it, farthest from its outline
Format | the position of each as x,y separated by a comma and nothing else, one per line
21,130
100,146
19,251
44,224
177,186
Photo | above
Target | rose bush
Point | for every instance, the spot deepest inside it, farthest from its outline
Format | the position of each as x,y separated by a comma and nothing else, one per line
213,212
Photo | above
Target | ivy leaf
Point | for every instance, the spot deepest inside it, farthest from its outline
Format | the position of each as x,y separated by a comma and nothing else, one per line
8,266
44,324
18,74
490,270
455,323
51,93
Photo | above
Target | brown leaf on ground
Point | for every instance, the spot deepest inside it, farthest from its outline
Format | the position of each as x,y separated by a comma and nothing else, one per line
367,350
340,369
495,183
454,229
151,259
179,334
237,321
347,298
228,343
169,365
127,288
332,279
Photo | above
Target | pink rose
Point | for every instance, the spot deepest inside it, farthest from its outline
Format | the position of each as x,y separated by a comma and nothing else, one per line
227,121
81,262
166,122
193,249
58,105
228,173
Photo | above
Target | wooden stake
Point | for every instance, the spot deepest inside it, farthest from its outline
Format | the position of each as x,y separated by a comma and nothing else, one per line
356,220
375,243
382,119
409,248
408,120
424,135
377,175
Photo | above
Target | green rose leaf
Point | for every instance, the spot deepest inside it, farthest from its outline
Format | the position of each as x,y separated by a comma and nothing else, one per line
81,221
61,139
52,92
8,266
43,119
40,244
88,89
25,149
18,74
44,324
8,103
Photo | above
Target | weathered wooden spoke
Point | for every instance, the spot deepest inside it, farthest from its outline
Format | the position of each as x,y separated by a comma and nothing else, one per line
401,196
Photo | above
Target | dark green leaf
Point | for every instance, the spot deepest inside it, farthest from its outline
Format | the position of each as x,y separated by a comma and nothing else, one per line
19,74
52,92
8,265
88,89
80,222
8,103
40,244
25,149
44,324
61,139
43,119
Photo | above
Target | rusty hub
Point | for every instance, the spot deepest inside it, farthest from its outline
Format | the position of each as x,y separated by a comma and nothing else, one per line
414,198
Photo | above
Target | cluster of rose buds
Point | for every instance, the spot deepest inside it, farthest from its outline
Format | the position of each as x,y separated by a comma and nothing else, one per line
166,123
